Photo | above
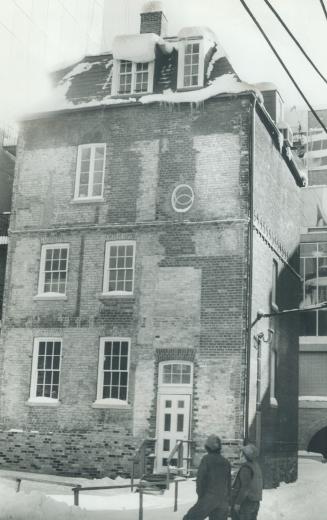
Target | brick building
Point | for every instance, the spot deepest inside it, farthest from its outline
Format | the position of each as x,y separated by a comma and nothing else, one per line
155,213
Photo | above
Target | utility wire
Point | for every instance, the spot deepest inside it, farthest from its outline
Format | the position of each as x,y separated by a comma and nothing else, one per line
294,39
283,64
323,7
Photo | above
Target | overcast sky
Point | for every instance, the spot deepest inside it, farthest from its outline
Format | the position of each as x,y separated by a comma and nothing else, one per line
249,53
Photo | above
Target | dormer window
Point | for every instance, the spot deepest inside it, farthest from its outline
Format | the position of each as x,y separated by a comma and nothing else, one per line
133,78
190,64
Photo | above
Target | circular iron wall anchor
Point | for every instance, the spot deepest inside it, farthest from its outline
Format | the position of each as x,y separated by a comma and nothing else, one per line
182,198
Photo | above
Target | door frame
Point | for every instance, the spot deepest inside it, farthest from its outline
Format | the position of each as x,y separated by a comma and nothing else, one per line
173,389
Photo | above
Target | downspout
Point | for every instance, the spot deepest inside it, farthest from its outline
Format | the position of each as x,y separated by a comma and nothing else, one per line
250,271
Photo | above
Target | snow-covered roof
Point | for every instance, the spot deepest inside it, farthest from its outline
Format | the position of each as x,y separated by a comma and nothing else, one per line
152,7
140,48
197,31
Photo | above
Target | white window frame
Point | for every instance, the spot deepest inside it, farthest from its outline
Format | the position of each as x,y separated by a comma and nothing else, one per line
40,400
166,386
116,79
41,292
102,402
117,243
92,147
274,285
181,63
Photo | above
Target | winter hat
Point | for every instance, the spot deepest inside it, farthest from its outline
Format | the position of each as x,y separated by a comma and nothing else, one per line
250,451
213,443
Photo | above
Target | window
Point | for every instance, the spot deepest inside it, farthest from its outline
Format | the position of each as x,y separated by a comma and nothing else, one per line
46,369
274,285
90,171
314,273
119,268
134,78
175,373
53,270
190,64
312,374
113,370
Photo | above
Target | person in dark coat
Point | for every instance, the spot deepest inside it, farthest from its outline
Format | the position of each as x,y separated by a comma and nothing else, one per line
247,487
213,484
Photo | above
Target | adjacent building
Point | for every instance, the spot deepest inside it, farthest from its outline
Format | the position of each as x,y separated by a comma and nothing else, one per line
155,219
313,340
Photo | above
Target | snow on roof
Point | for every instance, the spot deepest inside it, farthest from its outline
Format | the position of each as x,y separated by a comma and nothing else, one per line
152,7
197,31
266,85
226,84
217,55
139,48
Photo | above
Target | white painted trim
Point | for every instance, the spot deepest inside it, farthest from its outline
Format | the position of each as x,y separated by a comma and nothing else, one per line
105,288
307,340
272,376
181,59
181,388
44,248
50,296
35,401
92,147
116,78
33,398
99,398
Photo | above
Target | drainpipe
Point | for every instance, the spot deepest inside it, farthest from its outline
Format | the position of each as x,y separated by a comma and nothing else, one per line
250,270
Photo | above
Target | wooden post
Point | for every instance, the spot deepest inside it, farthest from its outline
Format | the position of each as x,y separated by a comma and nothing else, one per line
141,503
19,481
176,495
76,495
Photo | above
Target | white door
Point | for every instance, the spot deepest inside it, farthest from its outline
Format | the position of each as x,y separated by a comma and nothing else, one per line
173,425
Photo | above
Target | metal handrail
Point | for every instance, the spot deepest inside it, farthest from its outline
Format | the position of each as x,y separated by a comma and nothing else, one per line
141,486
140,458
179,449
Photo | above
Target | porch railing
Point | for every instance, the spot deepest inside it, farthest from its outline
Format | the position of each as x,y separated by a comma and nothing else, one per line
140,459
183,462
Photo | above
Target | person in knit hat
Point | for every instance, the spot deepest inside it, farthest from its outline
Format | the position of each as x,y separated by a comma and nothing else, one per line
213,484
247,487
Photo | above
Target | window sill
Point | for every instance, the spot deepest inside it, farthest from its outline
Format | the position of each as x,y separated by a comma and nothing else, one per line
273,402
50,296
114,295
110,403
87,200
43,402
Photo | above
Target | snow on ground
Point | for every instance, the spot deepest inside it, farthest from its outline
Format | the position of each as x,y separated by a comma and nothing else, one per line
304,499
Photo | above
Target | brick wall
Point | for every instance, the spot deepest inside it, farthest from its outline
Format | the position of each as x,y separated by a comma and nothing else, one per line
275,237
190,272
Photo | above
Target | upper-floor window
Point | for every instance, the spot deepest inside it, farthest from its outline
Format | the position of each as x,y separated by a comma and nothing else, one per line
133,78
190,64
314,275
113,369
46,369
53,269
90,170
119,267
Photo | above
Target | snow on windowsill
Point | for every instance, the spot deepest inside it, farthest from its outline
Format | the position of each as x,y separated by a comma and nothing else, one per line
273,402
111,403
42,401
49,296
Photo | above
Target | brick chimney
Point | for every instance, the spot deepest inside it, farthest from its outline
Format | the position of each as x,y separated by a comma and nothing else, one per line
153,19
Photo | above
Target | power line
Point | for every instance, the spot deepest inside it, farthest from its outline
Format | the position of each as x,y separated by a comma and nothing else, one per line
294,39
283,64
323,7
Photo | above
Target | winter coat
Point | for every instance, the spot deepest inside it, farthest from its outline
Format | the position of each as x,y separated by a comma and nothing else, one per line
213,481
248,483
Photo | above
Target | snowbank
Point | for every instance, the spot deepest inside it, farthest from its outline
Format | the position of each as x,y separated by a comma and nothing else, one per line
302,500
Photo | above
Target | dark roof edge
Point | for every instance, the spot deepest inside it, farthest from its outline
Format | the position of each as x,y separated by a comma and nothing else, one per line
274,132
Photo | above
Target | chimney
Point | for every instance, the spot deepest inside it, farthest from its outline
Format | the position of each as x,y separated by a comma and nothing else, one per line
153,19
